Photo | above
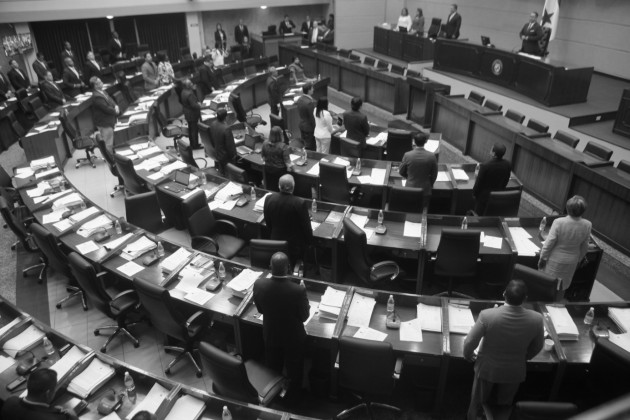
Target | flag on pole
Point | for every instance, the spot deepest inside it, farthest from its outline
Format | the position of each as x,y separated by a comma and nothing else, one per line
551,13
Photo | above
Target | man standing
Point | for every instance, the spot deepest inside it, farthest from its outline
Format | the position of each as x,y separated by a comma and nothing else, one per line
53,94
192,112
104,112
306,26
223,139
419,166
40,67
18,77
241,36
355,122
314,33
531,34
493,175
149,73
36,405
285,307
453,23
274,91
68,53
116,48
511,335
286,26
288,219
5,87
207,78
306,105
92,68
71,80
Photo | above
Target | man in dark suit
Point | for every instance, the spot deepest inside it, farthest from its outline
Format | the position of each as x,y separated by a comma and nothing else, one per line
72,82
53,94
493,175
511,335
286,26
531,34
306,26
18,77
288,219
223,139
419,166
92,67
274,91
355,122
207,78
241,36
5,87
327,36
104,112
453,23
36,405
40,67
306,105
116,48
68,53
284,306
192,112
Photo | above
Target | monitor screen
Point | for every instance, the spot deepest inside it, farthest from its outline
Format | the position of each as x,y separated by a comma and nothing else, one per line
182,177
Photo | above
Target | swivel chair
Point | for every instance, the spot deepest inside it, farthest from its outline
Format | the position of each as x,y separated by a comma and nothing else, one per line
132,182
541,287
456,257
143,210
333,184
252,120
261,251
172,128
503,203
36,106
171,206
398,143
208,145
434,28
236,174
350,148
566,138
539,126
598,151
186,153
476,97
120,187
120,100
515,116
405,199
79,142
278,121
624,165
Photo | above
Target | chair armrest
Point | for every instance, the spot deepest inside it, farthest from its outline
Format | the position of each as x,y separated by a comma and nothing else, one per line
398,368
124,294
298,268
384,264
196,322
199,241
175,121
226,227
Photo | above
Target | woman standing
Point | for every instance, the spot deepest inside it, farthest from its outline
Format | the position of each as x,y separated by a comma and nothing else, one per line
323,125
276,155
404,20
566,244
417,26
166,75
220,38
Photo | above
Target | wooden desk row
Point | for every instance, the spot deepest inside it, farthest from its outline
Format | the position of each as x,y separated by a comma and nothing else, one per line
402,46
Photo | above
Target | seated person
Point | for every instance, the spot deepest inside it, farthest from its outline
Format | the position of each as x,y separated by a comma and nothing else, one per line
297,72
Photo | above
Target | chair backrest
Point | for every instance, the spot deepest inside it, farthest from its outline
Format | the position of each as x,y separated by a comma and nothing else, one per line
369,61
261,251
171,206
539,126
120,100
17,127
515,116
382,65
566,138
67,126
276,121
158,304
133,183
344,53
350,148
503,203
598,151
333,183
143,210
541,287
543,410
355,355
608,359
476,97
236,174
208,145
495,106
47,244
228,374
407,199
199,219
434,29
412,73
37,107
186,152
624,165
397,69
457,253
105,153
85,274
235,99
16,227
356,248
5,179
398,143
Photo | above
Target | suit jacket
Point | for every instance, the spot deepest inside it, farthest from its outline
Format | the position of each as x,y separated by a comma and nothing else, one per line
511,336
356,123
274,90
493,176
284,28
288,219
103,110
53,93
40,70
419,166
533,34
19,80
91,70
223,140
306,105
218,43
306,26
192,107
71,82
239,35
73,55
5,87
285,307
327,37
115,50
451,27
150,75
208,80
16,408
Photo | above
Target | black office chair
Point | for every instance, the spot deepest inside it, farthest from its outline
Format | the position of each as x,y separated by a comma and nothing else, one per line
207,234
350,148
236,174
456,257
120,187
37,108
186,153
261,251
252,120
503,203
368,369
566,138
171,206
344,53
273,60
412,73
515,116
398,143
271,177
539,126
608,362
132,182
541,287
495,106
120,100
79,142
369,61
116,307
397,70
434,28
624,165
55,258
168,319
143,210
171,128
371,274
476,97
208,145
333,184
16,126
248,381
277,121
405,199
598,151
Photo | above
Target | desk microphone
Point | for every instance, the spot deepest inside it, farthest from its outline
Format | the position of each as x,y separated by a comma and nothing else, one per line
110,402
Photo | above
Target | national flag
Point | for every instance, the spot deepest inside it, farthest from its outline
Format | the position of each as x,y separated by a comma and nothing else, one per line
550,17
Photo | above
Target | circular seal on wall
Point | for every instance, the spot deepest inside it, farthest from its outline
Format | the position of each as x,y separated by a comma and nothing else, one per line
497,67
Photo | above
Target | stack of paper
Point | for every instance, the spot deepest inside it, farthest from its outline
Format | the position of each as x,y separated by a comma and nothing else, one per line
138,118
6,362
442,176
621,316
563,323
314,170
366,333
42,163
523,243
411,331
10,325
115,242
460,174
190,278
379,138
92,377
360,311
68,362
412,229
69,200
460,319
378,176
432,145
260,204
23,341
77,217
146,165
149,151
186,407
43,174
171,262
95,224
228,192
139,247
241,284
331,302
622,340
178,164
152,401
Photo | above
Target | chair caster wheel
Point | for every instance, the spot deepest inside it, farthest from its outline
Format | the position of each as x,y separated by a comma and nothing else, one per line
12,247
76,166
58,306
103,349
167,371
112,195
97,333
93,166
198,374
85,308
136,345
24,274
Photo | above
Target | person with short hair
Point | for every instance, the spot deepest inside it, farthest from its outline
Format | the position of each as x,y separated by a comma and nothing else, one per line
355,122
51,91
224,147
314,33
104,112
149,72
275,91
73,85
192,112
40,67
36,405
511,336
68,53
306,105
116,48
208,79
419,166
241,36
92,68
6,90
453,24
18,77
530,34
567,243
404,20
144,415
286,26
493,175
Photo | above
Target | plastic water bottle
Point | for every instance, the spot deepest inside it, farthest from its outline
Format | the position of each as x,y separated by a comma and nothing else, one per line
252,193
590,315
465,223
48,347
221,271
302,283
380,217
226,415
117,227
390,305
477,170
83,206
160,249
358,165
202,178
130,386
543,225
314,206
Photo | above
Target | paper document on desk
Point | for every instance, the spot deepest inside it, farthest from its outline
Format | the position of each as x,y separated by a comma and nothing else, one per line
430,317
42,163
563,323
260,204
360,311
139,247
190,278
53,216
186,407
114,243
62,225
412,229
92,377
340,161
199,296
91,226
68,361
523,243
442,176
241,284
178,164
174,260
365,333
6,362
621,340
432,145
460,174
152,401
77,217
52,171
149,151
494,242
10,325
411,331
130,268
314,170
460,319
378,176
621,317
230,190
330,303
23,341
73,199
359,219
87,247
